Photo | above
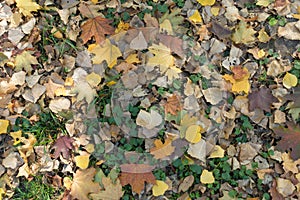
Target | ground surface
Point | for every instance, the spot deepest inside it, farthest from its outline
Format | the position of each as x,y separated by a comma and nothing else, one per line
149,99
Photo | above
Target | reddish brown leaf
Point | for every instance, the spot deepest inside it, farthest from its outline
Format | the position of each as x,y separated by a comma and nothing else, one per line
274,193
172,42
96,27
173,105
63,145
290,139
136,175
239,72
261,99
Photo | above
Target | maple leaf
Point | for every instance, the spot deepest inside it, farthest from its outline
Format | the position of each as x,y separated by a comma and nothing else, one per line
174,18
262,98
164,60
243,34
83,184
136,175
239,80
25,60
105,52
96,27
112,191
63,145
290,139
162,150
27,6
173,105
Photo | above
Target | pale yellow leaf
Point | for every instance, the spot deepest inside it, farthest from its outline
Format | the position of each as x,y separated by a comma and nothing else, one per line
27,6
196,17
113,191
243,34
148,120
82,161
132,58
16,136
105,52
218,152
2,191
93,79
207,2
207,177
193,133
159,188
24,61
166,26
215,10
263,36
264,3
289,80
3,126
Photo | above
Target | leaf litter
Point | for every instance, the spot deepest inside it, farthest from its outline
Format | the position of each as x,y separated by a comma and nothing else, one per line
196,82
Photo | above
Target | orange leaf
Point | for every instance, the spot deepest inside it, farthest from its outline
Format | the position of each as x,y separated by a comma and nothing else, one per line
173,105
162,150
96,27
239,72
136,175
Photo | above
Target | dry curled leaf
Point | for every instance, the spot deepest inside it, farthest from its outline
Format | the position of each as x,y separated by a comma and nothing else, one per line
173,105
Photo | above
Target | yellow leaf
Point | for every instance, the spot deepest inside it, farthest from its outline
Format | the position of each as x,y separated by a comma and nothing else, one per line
193,133
207,2
82,161
185,122
93,79
239,85
132,58
264,3
207,177
122,27
90,148
164,59
196,17
67,182
27,6
3,126
263,36
1,193
217,153
289,80
16,136
215,10
25,60
159,188
166,26
105,52
243,34
261,53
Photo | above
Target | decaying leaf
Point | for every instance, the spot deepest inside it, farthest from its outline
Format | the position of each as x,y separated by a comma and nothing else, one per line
148,120
290,139
63,145
239,79
3,126
162,150
113,191
173,105
96,27
83,184
243,34
24,61
261,99
136,175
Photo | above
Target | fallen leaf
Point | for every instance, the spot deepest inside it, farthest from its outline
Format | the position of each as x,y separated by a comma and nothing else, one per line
196,17
174,17
285,187
148,120
113,191
82,161
207,2
83,184
63,145
27,6
96,27
264,3
11,161
185,122
16,136
59,104
105,52
241,84
139,42
290,31
243,34
193,133
207,177
136,175
162,150
173,105
289,80
159,188
3,126
24,61
186,183
290,139
261,99
218,152
263,36
213,95
93,79
198,150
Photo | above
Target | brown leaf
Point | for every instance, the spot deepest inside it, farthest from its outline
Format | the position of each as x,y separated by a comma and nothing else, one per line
136,175
96,27
261,99
83,184
111,192
173,105
172,42
219,30
239,72
274,193
290,139
63,145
